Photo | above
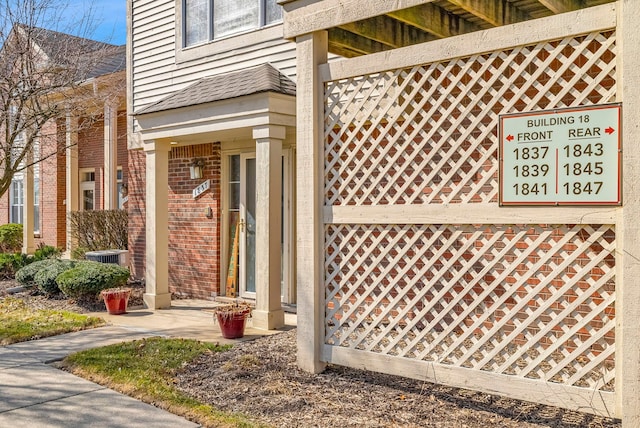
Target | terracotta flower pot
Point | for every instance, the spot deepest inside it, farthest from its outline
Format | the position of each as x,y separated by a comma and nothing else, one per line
233,322
116,300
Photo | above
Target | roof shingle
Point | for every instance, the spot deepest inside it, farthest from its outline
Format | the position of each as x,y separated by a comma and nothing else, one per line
262,78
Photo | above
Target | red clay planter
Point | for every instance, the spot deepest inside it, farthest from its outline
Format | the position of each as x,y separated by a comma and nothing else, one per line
232,320
116,300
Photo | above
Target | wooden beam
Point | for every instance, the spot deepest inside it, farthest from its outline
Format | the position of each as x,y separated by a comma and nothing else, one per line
562,6
303,16
388,31
434,20
348,40
496,12
343,52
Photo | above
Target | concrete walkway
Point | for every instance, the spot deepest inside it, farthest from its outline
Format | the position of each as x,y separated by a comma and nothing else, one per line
35,394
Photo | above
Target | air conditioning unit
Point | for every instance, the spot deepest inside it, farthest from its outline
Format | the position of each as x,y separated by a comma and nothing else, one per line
118,257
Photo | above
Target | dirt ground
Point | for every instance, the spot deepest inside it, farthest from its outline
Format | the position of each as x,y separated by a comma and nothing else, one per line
261,380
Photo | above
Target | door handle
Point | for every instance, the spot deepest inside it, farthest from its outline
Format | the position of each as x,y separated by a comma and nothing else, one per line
242,224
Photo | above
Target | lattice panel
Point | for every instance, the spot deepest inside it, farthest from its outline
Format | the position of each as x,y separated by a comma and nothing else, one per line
528,301
428,134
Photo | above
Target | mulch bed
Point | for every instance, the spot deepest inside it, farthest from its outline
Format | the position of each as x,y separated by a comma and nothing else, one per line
260,379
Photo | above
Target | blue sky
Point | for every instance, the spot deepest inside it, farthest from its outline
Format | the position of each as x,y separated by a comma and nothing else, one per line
111,21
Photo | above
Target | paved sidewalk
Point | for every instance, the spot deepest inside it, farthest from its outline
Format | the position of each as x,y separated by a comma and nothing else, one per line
36,395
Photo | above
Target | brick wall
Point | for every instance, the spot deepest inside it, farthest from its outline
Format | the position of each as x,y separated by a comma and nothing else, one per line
91,155
194,238
52,184
135,206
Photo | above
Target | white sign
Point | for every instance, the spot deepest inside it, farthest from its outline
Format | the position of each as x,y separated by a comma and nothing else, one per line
201,189
561,157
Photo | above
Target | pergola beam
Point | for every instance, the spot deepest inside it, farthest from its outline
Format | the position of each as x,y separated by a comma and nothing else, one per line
496,13
434,20
562,6
345,39
388,31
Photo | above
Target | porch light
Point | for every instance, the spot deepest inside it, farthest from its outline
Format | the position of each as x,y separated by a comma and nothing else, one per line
196,168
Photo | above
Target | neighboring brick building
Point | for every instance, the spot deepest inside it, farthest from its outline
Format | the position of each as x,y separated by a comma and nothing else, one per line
84,158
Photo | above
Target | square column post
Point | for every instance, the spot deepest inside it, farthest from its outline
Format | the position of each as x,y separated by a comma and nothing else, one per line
268,314
311,52
72,175
110,156
627,228
28,246
157,294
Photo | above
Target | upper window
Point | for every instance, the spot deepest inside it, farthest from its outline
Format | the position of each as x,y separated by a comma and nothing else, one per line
205,20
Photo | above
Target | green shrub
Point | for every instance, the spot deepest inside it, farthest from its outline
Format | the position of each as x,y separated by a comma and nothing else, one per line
46,252
10,263
10,238
45,278
88,278
25,275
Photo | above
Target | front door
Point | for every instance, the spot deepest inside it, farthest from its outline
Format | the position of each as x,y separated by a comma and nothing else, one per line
241,232
247,225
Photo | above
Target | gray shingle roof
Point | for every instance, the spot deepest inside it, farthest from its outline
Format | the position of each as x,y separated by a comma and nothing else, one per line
111,60
263,78
89,57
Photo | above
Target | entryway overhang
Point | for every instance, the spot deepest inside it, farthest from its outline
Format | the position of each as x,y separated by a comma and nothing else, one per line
232,119
254,104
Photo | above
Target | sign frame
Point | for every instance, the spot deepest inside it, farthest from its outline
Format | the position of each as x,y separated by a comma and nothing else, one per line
553,200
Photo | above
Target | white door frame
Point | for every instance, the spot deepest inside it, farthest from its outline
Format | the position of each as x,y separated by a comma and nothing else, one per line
288,290
245,226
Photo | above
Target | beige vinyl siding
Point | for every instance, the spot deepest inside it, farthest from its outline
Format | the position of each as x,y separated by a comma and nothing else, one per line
157,73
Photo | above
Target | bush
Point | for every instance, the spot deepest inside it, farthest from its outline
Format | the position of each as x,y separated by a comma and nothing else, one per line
90,278
46,252
99,229
10,238
25,275
10,263
45,278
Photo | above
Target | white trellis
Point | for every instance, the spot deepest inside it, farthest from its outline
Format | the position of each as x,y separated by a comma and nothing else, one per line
525,308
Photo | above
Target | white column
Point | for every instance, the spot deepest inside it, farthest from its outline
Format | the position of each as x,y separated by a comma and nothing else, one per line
268,314
110,156
28,246
311,51
628,227
72,185
157,294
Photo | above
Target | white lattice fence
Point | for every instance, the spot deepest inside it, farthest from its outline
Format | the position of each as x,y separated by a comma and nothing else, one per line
530,302
428,134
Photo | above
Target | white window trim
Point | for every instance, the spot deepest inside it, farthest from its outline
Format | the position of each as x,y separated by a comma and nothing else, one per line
86,185
18,178
223,44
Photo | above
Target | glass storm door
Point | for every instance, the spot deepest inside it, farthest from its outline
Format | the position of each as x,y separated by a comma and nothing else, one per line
247,229
241,233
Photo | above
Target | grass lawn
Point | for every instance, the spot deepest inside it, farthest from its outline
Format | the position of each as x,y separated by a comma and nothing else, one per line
19,323
144,369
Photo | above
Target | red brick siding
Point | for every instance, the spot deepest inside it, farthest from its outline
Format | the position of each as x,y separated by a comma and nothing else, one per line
91,154
52,185
136,211
194,239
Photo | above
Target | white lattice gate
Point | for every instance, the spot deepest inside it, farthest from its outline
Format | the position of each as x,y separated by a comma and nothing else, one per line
424,275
